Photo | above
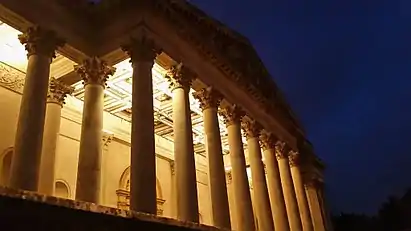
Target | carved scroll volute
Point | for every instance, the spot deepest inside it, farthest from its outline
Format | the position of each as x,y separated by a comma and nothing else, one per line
267,141
58,91
294,158
251,128
40,41
180,76
94,71
208,98
281,150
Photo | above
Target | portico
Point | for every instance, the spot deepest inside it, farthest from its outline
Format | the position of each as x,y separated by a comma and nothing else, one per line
158,82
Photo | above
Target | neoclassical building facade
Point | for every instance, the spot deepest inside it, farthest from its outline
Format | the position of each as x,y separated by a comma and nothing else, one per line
154,107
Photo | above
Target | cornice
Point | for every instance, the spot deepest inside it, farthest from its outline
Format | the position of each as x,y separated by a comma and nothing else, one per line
227,50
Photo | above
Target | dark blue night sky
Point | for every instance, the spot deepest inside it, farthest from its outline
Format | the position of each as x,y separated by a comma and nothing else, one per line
345,68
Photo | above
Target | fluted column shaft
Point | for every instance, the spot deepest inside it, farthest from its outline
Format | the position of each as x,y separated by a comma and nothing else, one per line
209,101
40,45
288,187
324,208
94,73
314,204
274,183
143,158
242,196
294,159
261,199
55,100
187,200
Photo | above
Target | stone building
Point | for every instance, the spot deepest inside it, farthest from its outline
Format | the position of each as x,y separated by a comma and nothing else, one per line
151,106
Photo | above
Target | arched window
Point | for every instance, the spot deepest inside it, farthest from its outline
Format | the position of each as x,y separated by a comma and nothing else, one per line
5,161
123,193
62,189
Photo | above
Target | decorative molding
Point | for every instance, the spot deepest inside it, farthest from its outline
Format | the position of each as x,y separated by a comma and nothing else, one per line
232,114
229,52
281,150
251,128
179,76
141,49
208,98
58,91
40,41
94,71
267,141
106,139
294,158
11,78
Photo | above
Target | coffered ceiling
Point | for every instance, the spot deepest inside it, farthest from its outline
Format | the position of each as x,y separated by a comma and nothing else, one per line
118,93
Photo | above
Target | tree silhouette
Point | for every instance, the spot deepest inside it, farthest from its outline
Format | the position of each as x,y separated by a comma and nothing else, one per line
393,215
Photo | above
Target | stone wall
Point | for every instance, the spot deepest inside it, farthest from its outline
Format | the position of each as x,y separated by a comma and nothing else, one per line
21,210
116,154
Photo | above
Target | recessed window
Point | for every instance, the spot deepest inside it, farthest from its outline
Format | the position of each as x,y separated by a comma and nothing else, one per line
62,190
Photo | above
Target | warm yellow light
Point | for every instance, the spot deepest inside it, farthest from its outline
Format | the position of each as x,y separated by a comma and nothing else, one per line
11,51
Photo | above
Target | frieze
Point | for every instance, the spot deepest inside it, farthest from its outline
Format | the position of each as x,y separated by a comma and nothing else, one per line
236,58
11,78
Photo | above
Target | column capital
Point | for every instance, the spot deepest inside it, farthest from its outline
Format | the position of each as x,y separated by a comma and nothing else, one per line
180,76
58,91
267,141
281,150
208,98
232,114
311,181
294,158
94,71
141,49
38,40
251,128
106,138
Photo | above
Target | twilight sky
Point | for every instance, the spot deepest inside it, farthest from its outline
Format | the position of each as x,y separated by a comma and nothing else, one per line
345,68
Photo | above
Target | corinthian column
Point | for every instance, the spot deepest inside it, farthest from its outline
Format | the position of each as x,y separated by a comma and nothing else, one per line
55,100
294,160
261,199
143,159
185,171
94,73
244,209
311,187
209,101
40,45
281,152
274,183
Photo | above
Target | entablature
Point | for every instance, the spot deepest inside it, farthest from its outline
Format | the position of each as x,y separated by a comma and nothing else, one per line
221,57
